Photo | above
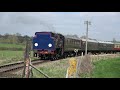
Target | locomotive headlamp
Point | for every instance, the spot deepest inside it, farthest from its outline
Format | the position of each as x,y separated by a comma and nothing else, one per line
36,44
49,45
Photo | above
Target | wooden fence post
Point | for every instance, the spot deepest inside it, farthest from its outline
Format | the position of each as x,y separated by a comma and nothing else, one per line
27,61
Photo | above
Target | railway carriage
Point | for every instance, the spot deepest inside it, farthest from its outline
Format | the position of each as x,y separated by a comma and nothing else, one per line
49,45
117,46
95,46
72,44
92,45
105,46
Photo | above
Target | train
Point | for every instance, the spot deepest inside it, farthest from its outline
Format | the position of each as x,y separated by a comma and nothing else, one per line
49,45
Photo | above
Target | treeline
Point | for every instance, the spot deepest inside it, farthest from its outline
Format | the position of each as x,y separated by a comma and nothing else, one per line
14,38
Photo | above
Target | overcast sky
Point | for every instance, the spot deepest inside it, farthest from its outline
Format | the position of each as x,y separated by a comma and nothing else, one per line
104,25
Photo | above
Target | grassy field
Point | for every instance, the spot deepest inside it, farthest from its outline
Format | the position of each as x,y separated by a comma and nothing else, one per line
7,57
10,56
11,46
10,53
55,69
109,68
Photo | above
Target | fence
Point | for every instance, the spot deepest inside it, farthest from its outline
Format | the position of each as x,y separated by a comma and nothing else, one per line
103,57
84,63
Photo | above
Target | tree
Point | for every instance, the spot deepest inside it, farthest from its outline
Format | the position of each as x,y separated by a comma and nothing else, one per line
20,38
114,40
14,39
26,38
18,34
6,35
72,36
83,37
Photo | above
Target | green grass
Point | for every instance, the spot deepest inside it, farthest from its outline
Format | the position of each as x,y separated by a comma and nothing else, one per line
55,69
11,46
109,68
7,57
10,56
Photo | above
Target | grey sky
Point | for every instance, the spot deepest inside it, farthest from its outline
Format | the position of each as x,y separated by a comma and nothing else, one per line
104,25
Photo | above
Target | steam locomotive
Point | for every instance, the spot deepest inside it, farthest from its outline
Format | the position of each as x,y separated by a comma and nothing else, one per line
49,45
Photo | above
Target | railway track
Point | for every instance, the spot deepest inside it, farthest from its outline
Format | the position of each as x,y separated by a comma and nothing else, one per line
18,65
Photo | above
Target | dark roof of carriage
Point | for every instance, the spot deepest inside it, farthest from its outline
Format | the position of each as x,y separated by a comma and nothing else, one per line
43,32
48,32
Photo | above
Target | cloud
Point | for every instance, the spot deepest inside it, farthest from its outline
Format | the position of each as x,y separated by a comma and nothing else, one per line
103,24
99,14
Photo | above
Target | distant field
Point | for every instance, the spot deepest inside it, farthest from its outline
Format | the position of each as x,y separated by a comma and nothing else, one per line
11,56
11,46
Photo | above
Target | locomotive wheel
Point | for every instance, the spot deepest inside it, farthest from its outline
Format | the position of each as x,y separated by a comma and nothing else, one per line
57,57
65,56
35,54
42,57
51,58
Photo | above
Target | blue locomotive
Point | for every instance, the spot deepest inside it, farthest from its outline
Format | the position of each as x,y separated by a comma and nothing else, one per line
48,45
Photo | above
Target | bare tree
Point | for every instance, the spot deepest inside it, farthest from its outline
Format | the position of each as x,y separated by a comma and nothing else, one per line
114,40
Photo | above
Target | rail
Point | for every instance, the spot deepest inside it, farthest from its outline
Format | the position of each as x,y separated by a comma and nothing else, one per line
18,65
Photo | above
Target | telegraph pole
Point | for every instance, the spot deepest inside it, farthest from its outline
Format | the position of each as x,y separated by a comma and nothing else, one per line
87,23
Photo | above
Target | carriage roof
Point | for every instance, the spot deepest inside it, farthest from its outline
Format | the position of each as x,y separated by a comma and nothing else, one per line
97,41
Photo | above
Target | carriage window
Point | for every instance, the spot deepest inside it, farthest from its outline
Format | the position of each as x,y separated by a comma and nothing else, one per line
73,41
70,41
67,41
76,42
118,46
